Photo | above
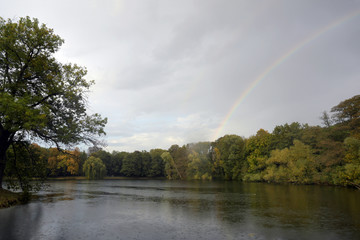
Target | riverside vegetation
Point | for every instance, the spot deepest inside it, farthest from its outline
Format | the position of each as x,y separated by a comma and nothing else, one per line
291,153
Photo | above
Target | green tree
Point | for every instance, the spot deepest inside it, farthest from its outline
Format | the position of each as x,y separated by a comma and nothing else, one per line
347,115
145,164
229,156
117,159
326,119
94,168
27,166
157,168
295,165
347,111
40,98
199,166
171,169
106,159
180,160
131,165
284,135
257,152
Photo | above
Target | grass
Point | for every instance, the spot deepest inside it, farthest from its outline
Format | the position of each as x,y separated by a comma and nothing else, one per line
8,198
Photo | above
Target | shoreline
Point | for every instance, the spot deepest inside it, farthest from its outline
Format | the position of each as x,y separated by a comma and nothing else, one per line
9,199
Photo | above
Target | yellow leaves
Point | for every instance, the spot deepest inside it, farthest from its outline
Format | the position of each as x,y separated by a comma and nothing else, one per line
65,162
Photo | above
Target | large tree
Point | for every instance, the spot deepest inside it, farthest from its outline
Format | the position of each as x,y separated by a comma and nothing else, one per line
41,99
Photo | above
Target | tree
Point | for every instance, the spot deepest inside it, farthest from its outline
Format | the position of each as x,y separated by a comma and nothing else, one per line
348,111
229,156
199,166
131,165
257,152
171,170
94,168
180,159
326,120
157,163
40,98
106,159
26,161
284,135
295,164
117,159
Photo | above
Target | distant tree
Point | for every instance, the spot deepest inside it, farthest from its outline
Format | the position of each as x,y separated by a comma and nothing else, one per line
348,111
131,165
199,166
347,116
326,119
117,159
106,159
94,168
257,152
40,98
229,156
157,163
171,169
284,135
294,165
26,167
180,159
156,167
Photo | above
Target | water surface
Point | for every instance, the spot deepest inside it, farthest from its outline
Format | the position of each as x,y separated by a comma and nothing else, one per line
160,209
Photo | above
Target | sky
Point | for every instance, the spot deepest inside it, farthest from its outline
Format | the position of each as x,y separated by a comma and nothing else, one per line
176,72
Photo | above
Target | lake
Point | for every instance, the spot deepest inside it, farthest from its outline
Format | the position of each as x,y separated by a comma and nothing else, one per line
161,209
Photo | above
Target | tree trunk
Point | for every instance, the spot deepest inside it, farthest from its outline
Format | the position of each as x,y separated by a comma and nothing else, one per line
2,169
2,163
4,145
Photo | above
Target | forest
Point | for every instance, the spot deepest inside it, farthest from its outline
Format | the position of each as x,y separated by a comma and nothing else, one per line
292,153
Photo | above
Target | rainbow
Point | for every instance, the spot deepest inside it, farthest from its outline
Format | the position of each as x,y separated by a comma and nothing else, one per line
277,63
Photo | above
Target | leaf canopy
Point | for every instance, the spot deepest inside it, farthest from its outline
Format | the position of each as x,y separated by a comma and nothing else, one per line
41,98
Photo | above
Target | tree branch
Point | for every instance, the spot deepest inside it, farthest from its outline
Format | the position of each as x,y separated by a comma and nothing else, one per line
45,98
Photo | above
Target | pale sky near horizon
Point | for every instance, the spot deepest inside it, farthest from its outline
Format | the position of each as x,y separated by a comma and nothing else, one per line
175,72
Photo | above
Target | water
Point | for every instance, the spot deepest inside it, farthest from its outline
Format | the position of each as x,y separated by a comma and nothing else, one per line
159,209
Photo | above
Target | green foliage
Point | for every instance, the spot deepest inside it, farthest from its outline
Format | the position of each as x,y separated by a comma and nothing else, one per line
94,168
316,155
171,170
41,98
285,135
295,165
228,157
180,160
157,164
352,147
26,169
117,159
131,166
198,167
257,152
199,161
348,111
106,159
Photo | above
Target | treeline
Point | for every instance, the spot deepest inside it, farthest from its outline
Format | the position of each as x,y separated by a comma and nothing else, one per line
291,153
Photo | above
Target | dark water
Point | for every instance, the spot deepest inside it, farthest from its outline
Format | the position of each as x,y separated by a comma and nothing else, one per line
159,209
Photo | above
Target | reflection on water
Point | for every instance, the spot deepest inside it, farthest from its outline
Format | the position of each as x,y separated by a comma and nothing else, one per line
157,209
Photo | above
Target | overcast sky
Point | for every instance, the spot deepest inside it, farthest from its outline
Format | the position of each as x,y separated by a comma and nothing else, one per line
174,72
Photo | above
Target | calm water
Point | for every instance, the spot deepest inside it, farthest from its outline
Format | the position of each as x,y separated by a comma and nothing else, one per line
159,209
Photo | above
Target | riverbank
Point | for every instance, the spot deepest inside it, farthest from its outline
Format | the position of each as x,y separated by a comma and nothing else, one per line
8,198
106,178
